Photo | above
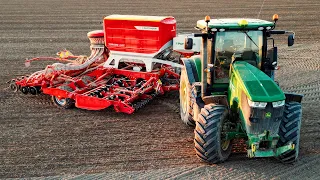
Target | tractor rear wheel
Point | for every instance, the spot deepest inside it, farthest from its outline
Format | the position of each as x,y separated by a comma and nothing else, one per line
65,103
209,142
289,131
186,105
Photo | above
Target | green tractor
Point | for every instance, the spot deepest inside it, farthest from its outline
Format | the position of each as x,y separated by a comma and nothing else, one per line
228,92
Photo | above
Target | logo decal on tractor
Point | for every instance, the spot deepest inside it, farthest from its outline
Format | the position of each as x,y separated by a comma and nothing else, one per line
268,114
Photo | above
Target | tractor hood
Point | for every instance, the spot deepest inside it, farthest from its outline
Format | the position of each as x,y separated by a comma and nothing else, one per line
256,84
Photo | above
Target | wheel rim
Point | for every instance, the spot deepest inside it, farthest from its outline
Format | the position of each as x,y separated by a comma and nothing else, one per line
13,87
183,98
61,102
225,144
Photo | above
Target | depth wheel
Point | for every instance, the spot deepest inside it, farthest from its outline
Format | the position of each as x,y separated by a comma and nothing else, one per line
13,86
209,135
65,103
289,131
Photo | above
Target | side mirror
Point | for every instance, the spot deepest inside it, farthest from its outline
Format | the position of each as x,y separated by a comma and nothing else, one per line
290,40
188,43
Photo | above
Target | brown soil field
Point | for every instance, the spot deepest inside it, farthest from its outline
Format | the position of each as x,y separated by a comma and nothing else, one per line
39,140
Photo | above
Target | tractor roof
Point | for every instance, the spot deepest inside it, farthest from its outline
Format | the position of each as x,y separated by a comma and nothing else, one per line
138,18
235,23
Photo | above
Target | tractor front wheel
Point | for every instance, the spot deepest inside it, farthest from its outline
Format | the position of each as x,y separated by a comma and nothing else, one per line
289,131
209,139
65,103
186,106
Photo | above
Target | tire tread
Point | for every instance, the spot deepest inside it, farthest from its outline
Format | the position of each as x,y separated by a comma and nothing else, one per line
289,131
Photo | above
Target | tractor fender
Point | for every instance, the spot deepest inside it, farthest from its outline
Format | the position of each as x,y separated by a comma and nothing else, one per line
197,65
191,70
292,97
192,74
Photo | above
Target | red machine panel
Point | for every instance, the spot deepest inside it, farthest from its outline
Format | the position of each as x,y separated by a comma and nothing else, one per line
138,34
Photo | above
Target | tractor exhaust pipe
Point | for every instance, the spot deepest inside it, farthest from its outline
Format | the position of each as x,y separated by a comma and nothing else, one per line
204,58
204,63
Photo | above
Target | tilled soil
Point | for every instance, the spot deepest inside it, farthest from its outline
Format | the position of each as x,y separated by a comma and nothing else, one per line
37,139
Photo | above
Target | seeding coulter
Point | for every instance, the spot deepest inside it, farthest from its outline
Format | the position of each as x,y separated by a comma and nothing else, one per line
132,61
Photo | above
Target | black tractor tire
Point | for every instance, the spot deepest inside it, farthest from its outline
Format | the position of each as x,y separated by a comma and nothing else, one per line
208,132
289,131
185,94
25,90
33,90
65,103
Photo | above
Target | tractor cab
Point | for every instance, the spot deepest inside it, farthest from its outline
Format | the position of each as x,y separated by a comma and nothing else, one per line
233,40
228,91
233,46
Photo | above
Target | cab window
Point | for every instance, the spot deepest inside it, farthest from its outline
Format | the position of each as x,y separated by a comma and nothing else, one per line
236,45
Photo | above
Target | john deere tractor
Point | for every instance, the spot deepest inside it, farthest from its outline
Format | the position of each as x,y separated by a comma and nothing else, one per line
228,91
